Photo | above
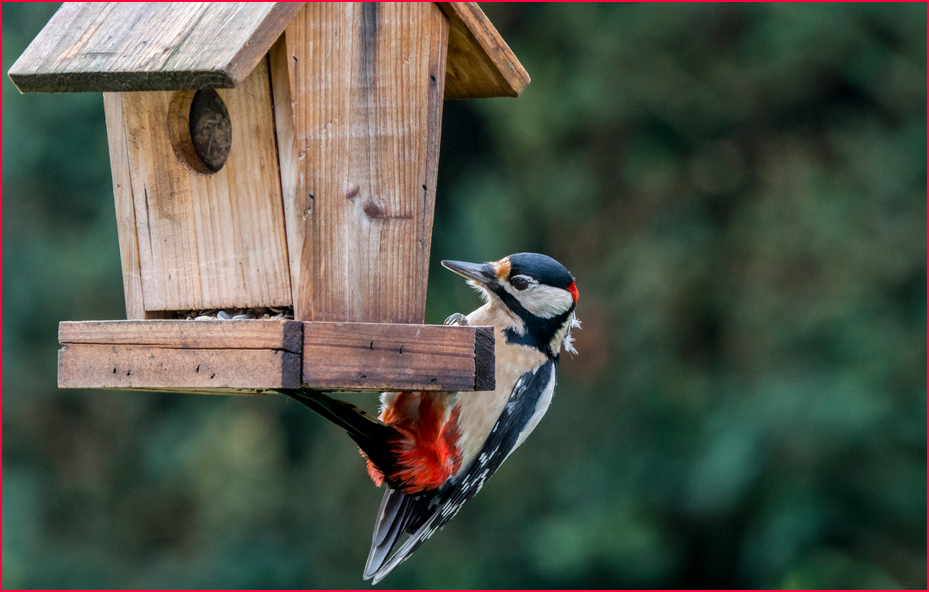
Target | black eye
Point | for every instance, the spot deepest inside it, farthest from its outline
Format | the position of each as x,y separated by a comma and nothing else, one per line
520,283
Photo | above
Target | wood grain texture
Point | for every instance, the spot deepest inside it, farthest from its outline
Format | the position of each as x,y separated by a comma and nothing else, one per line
293,177
248,334
125,212
204,390
253,356
208,241
125,46
153,367
480,63
366,84
397,357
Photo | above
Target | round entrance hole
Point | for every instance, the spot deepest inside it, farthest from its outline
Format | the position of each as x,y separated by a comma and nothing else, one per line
200,130
210,129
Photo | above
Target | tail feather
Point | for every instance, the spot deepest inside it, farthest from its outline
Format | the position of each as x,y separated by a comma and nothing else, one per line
400,513
371,434
392,506
417,537
392,518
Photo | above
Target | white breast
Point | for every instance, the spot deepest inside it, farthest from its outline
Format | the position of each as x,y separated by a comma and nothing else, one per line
480,410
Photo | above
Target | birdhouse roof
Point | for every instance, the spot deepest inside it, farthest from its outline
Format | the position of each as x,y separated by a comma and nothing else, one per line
127,46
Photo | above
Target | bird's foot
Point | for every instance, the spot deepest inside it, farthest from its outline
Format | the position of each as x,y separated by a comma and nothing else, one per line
457,319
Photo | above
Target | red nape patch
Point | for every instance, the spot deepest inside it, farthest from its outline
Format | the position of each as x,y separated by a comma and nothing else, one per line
573,289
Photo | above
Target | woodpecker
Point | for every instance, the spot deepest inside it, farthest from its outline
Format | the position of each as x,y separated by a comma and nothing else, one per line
435,450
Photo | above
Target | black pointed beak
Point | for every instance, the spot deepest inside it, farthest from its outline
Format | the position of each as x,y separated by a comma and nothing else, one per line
479,272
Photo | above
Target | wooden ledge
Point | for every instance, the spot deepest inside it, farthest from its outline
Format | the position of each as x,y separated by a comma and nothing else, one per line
254,356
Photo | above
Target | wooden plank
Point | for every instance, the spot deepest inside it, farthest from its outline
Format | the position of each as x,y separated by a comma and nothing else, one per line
125,46
125,213
208,241
480,63
201,391
281,65
253,356
367,81
249,334
397,357
144,366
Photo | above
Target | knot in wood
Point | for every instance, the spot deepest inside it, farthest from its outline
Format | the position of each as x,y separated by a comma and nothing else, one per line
372,210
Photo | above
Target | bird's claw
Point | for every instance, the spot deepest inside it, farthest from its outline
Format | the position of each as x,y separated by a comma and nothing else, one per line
457,319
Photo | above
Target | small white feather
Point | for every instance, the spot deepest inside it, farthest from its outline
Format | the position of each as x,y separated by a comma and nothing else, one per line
568,341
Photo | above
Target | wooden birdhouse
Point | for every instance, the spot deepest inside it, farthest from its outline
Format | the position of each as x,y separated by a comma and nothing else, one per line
273,160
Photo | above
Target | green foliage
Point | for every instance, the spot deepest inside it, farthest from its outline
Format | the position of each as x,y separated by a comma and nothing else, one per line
740,193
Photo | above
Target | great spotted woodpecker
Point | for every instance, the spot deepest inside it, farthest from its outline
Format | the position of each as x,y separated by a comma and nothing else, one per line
435,450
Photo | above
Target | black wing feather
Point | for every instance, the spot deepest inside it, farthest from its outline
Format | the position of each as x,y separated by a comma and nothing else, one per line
371,434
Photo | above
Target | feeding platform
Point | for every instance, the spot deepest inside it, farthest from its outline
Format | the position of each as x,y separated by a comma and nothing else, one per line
252,356
273,155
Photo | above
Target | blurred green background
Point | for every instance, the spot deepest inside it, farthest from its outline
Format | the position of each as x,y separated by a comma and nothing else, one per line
740,191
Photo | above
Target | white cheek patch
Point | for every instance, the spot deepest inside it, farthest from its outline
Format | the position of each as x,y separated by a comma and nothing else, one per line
544,301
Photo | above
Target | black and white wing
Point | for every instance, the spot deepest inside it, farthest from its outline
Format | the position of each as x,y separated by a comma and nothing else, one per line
422,514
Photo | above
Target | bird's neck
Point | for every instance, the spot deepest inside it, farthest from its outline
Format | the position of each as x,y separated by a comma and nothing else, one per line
545,335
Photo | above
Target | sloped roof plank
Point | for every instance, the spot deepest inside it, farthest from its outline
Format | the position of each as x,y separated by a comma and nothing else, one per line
480,63
139,46
125,46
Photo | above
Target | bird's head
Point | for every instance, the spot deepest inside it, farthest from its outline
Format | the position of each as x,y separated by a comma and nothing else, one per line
538,291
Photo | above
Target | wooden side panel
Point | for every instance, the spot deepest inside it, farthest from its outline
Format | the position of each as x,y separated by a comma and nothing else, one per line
145,366
397,357
250,334
208,241
366,82
125,213
480,63
293,176
146,46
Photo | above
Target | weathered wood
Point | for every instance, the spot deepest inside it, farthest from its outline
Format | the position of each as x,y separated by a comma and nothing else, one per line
201,391
397,357
281,66
125,211
367,86
207,240
146,366
248,334
480,63
125,214
125,46
253,356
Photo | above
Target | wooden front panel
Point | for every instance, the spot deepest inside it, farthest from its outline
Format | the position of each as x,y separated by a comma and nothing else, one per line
398,357
200,240
358,93
211,356
157,368
237,357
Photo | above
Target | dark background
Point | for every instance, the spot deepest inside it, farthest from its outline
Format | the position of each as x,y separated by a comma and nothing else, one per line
740,192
